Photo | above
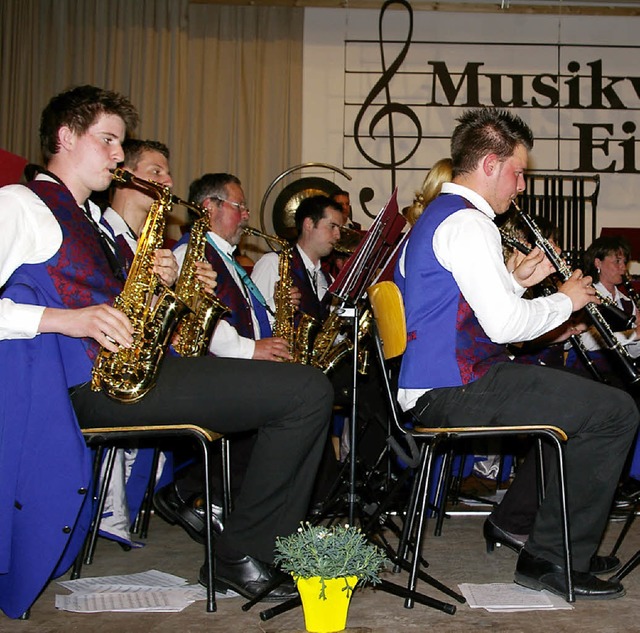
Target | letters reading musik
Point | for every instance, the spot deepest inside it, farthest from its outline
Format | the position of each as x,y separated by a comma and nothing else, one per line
603,147
590,90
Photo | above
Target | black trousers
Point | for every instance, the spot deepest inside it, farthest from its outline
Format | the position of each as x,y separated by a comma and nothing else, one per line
600,422
288,405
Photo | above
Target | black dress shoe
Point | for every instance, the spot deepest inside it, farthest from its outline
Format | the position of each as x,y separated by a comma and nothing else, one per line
538,573
603,564
188,514
494,535
627,495
248,576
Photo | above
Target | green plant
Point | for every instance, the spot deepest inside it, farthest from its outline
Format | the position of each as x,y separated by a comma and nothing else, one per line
329,552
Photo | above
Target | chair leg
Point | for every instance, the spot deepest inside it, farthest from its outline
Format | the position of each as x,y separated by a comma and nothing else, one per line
421,507
147,503
542,484
102,498
566,537
226,476
444,481
410,514
209,551
85,555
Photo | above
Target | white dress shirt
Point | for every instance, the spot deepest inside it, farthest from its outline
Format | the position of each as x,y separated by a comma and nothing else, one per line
226,341
120,227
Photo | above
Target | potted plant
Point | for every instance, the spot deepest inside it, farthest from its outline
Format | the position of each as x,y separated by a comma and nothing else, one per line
327,563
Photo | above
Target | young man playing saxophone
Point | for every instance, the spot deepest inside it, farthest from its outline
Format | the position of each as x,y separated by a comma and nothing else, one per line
55,313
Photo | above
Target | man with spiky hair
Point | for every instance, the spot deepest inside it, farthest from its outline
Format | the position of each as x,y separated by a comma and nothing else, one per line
463,306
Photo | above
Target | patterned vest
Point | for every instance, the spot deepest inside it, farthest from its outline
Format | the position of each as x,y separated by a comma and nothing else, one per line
446,346
77,276
309,302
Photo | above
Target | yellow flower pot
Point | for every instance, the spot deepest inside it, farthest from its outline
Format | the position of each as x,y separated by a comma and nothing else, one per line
330,615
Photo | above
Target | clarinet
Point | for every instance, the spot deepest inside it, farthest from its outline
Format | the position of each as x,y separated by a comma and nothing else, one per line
606,302
631,291
610,341
574,340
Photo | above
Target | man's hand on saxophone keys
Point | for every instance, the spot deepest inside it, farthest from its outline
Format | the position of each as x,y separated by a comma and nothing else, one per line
165,266
295,296
104,323
207,276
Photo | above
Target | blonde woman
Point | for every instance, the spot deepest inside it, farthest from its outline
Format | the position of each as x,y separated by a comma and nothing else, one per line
441,172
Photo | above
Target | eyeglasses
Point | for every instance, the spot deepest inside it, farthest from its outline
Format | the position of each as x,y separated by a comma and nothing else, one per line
241,206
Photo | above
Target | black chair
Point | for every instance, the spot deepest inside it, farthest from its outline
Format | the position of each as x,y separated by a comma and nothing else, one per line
109,439
390,338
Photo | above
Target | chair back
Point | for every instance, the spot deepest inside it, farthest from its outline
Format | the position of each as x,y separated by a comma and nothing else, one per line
388,312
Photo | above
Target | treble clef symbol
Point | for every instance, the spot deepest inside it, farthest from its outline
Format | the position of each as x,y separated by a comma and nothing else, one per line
388,109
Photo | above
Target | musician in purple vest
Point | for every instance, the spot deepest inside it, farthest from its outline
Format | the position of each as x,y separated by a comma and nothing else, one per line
463,306
244,332
126,215
59,280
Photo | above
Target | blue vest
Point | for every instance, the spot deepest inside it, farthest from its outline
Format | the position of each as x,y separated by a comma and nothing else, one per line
446,346
45,467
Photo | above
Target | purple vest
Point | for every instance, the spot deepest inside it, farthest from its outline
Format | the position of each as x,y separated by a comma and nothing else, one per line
446,346
228,292
77,276
309,302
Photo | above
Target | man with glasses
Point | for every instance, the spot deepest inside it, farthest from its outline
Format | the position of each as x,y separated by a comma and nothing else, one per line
244,332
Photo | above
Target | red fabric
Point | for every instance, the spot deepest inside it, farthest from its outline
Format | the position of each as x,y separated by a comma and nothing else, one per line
11,167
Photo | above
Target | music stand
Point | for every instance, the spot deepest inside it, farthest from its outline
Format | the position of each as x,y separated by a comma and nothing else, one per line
369,258
371,261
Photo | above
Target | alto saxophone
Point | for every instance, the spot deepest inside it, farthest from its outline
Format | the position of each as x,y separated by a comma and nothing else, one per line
196,327
299,338
128,374
329,351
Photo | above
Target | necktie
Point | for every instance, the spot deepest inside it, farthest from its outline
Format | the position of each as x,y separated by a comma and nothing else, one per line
257,300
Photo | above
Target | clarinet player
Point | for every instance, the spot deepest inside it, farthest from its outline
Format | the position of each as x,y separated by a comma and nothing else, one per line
463,306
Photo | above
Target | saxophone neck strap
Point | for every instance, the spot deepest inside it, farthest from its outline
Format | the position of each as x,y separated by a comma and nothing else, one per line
247,282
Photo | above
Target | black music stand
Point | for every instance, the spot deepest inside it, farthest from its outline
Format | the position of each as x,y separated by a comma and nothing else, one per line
371,261
370,257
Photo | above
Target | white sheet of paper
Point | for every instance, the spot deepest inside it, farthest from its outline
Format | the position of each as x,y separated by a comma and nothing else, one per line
509,597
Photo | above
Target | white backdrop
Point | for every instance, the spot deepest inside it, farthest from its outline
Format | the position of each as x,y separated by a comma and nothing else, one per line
571,78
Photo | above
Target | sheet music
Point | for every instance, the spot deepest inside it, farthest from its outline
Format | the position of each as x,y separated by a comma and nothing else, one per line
151,578
150,591
509,597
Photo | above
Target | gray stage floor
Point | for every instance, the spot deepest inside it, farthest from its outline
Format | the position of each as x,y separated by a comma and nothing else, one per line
457,556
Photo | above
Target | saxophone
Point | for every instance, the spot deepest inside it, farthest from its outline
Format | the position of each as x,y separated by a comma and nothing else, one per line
299,338
328,352
128,374
196,327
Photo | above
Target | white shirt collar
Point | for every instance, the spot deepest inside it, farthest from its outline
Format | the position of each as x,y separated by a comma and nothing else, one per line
222,244
306,260
475,198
